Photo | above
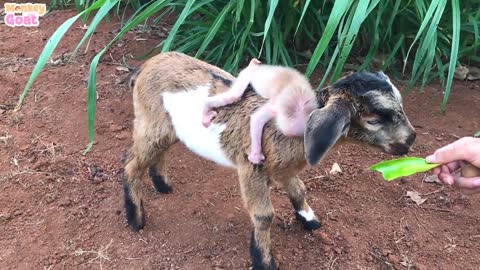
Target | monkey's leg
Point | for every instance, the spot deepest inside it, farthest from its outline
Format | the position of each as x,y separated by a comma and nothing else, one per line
257,122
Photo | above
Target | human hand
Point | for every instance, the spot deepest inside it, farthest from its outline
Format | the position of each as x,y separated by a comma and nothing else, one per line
454,156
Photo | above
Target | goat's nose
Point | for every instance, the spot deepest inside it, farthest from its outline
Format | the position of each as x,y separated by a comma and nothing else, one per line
411,138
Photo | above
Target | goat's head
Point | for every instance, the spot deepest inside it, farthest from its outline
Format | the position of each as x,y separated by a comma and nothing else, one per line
363,106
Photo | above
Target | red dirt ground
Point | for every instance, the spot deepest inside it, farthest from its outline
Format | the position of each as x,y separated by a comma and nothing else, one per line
62,210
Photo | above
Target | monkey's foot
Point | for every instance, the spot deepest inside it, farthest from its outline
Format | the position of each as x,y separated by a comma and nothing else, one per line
256,157
207,118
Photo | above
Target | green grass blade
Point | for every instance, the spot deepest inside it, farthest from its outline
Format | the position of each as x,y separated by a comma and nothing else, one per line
426,20
426,43
305,7
102,12
397,46
427,67
396,6
338,11
358,18
181,18
454,52
272,6
214,28
238,10
92,99
49,48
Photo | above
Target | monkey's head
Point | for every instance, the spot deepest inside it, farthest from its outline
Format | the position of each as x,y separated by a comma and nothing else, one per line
363,106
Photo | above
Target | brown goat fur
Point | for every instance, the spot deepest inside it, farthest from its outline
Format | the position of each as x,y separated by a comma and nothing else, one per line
341,114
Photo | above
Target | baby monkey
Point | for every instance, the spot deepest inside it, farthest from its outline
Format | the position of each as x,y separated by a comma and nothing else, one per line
290,101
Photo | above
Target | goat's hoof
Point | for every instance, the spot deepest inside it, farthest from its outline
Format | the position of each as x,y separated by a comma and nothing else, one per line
135,218
257,256
309,225
207,118
256,158
159,182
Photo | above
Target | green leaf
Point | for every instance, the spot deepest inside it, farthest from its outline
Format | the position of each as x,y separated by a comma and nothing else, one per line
181,18
272,6
214,28
477,134
337,13
395,168
428,16
50,47
305,7
102,12
454,52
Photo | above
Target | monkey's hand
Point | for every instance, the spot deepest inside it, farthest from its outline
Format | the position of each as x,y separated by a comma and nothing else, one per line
256,157
254,62
207,118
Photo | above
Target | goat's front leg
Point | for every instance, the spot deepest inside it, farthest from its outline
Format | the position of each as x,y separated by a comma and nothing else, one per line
257,122
256,196
296,192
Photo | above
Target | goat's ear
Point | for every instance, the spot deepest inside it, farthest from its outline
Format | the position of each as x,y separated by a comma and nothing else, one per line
324,127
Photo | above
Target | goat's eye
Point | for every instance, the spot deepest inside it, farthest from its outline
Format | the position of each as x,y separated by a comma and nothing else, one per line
373,122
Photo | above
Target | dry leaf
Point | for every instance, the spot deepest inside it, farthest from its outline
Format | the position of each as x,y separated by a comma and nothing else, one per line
473,74
335,169
123,69
432,179
461,73
415,196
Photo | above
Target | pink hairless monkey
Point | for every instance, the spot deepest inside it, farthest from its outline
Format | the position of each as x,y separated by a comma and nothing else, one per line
290,101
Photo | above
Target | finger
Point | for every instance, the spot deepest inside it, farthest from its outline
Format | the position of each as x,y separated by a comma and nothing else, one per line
445,169
458,150
472,183
437,170
446,178
453,166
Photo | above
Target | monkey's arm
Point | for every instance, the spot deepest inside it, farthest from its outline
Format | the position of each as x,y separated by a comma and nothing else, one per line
233,94
257,122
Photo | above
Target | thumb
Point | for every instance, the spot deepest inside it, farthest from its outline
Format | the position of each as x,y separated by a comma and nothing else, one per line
455,151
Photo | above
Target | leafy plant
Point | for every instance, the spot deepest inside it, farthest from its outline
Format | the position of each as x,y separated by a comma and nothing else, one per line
395,168
365,34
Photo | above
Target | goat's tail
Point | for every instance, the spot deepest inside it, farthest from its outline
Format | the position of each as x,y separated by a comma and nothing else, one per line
132,78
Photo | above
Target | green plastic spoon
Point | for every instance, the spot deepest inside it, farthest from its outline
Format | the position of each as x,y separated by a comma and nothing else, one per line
395,168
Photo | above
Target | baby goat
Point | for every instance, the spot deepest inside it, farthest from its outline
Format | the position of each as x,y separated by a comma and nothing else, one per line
169,93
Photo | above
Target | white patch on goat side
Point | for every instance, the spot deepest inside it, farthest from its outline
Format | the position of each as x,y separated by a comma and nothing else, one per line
185,110
308,215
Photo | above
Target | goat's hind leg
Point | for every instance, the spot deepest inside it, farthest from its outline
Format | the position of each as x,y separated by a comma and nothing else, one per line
296,192
256,196
158,172
144,153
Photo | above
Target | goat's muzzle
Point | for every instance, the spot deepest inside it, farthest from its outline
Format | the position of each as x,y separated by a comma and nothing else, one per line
401,148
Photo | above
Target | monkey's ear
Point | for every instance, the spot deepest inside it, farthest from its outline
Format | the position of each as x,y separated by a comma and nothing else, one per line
324,127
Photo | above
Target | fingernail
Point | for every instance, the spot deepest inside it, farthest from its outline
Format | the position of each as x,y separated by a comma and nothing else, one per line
450,181
430,159
476,183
